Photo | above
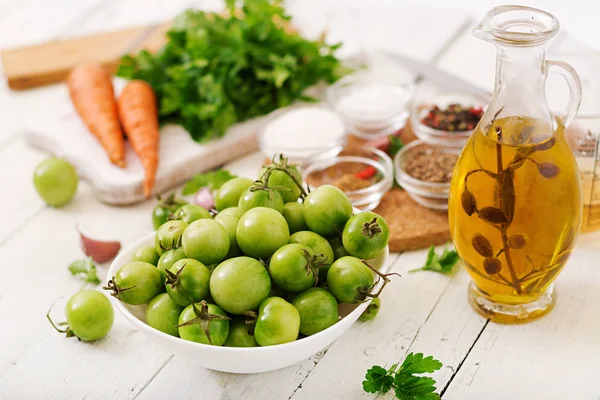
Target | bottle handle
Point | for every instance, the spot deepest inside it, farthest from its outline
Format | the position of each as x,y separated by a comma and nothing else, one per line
574,83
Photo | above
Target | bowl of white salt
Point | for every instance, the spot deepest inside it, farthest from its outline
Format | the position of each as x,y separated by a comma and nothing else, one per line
303,132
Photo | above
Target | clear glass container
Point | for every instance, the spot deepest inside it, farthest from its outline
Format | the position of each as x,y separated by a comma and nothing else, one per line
515,198
370,105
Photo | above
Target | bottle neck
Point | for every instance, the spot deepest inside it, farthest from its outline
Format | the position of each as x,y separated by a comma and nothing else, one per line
520,71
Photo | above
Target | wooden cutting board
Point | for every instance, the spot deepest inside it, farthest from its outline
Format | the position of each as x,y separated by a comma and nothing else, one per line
47,63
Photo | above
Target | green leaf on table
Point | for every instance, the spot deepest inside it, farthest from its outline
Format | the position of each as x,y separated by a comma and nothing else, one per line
212,179
377,380
439,263
85,269
395,145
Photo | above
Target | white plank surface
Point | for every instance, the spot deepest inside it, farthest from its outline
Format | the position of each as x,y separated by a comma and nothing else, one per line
554,358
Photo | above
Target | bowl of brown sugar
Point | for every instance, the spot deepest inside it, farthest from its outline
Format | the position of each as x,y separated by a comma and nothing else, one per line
424,170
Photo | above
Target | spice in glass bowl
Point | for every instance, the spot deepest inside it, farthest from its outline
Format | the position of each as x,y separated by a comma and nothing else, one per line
430,164
453,118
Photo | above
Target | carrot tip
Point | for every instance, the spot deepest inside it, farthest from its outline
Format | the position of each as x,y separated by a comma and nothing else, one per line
119,163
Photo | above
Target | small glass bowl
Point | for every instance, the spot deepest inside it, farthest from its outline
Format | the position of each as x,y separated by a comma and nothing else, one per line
370,105
365,161
433,195
425,100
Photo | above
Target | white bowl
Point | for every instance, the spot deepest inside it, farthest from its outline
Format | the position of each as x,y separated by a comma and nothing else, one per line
232,359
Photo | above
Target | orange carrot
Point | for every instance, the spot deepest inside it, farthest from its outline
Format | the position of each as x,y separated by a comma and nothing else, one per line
137,109
92,94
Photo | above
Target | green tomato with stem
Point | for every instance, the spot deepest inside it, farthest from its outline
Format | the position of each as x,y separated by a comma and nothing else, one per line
204,323
206,241
371,310
256,196
278,322
284,183
326,210
261,231
187,281
169,236
241,334
189,213
55,180
146,254
167,260
350,280
319,245
239,285
294,215
89,316
229,194
318,310
163,210
294,267
136,282
365,235
163,314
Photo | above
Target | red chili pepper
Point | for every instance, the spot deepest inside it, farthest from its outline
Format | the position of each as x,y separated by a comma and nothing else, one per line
366,173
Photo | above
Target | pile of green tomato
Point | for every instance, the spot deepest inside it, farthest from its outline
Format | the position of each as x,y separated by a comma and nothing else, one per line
270,267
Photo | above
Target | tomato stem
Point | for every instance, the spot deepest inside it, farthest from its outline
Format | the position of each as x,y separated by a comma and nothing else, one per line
381,275
173,278
203,318
111,285
68,331
282,165
370,229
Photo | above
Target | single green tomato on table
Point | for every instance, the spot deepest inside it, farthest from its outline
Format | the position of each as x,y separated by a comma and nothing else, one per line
204,323
136,282
206,241
187,281
146,254
284,184
349,280
294,215
189,213
365,235
167,260
163,314
318,310
168,236
326,210
258,197
261,231
294,267
240,284
55,180
89,316
229,194
241,334
278,322
319,245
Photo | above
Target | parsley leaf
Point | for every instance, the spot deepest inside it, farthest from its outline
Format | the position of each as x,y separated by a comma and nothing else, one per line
219,69
85,269
212,179
404,380
395,145
442,264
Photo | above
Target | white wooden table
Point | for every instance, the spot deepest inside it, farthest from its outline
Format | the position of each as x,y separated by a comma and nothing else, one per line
556,357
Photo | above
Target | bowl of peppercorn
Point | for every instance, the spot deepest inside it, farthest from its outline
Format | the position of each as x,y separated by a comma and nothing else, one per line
424,170
445,118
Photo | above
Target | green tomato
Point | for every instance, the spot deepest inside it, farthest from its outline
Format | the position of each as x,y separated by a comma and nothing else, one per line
318,310
190,213
169,236
89,315
294,215
366,235
206,241
278,322
338,247
163,314
163,210
326,210
187,281
294,268
136,282
371,310
285,185
55,180
349,280
233,211
230,222
255,197
319,245
239,285
261,231
146,254
167,260
240,334
196,317
229,194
